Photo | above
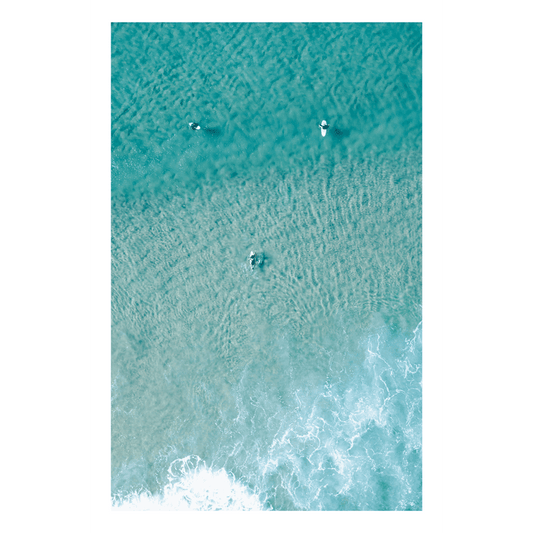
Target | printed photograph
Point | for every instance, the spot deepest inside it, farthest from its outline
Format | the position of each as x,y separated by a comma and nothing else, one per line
266,267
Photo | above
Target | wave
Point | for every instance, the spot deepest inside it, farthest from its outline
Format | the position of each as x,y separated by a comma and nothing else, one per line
192,486
352,444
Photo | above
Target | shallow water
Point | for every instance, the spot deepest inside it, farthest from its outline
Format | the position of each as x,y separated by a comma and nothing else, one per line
295,385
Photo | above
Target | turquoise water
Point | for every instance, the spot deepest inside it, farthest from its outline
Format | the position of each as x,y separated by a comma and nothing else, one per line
295,385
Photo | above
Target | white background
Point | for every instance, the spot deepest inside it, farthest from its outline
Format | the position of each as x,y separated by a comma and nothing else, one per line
101,517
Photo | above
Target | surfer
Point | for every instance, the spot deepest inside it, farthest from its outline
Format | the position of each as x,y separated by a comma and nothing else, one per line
256,259
194,126
324,126
252,259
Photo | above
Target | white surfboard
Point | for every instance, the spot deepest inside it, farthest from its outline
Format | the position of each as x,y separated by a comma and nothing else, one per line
191,123
323,130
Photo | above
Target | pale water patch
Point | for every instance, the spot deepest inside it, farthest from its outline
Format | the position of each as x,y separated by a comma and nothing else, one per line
353,443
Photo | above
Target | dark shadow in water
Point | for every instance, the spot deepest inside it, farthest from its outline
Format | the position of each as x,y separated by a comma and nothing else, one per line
339,133
213,132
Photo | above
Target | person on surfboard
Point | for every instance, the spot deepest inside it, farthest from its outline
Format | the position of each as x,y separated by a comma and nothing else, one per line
256,259
324,126
194,126
252,259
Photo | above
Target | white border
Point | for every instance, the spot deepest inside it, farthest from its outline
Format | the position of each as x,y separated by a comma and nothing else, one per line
101,13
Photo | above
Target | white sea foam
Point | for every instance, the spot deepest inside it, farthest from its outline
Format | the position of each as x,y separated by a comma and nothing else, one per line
192,486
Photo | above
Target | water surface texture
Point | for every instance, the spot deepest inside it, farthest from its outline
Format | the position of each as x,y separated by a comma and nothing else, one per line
295,385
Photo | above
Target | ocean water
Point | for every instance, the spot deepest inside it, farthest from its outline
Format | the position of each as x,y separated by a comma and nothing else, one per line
295,385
